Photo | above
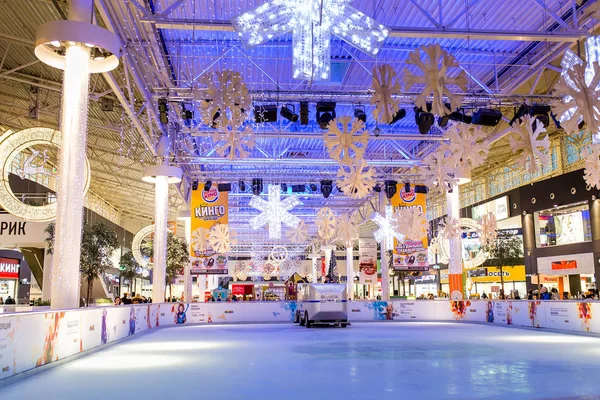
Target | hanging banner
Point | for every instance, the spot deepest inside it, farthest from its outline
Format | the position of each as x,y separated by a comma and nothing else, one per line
367,256
208,209
412,254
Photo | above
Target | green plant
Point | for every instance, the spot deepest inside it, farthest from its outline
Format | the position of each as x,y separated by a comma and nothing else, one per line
178,257
104,300
41,303
505,251
128,266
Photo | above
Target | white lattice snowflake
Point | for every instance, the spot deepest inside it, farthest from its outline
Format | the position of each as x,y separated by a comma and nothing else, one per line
347,230
347,144
579,84
299,234
385,84
410,222
226,92
591,173
451,228
440,169
467,146
356,181
526,137
233,141
219,238
326,225
487,229
435,79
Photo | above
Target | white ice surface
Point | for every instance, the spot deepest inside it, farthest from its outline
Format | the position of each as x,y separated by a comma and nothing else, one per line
365,361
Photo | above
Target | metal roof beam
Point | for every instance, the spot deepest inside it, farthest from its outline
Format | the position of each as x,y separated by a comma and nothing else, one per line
295,161
409,32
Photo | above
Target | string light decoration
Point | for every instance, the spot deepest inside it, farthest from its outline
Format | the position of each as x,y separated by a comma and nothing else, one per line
356,181
11,145
274,212
435,79
311,24
384,84
225,95
579,83
386,232
348,144
487,230
136,245
326,225
527,136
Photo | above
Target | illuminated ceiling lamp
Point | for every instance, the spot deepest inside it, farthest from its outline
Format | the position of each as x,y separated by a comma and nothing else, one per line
153,172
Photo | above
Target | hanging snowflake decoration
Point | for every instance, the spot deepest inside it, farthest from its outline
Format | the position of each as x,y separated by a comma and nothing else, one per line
347,144
435,79
356,181
386,232
299,234
326,225
487,230
579,83
226,93
526,136
347,230
385,84
232,140
467,146
591,173
411,223
441,173
219,238
451,228
274,212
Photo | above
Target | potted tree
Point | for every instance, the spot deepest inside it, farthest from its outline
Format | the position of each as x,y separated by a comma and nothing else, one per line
129,267
178,258
505,251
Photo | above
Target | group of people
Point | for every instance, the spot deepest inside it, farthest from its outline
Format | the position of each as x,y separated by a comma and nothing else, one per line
231,298
9,300
552,294
137,299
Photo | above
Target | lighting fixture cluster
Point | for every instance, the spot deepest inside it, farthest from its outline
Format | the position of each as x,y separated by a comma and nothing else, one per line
312,23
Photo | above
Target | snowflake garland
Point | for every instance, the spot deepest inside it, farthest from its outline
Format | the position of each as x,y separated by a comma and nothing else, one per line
347,230
385,84
451,228
299,234
347,144
356,181
442,174
411,223
591,173
488,229
233,141
220,238
435,78
528,138
467,146
326,225
226,93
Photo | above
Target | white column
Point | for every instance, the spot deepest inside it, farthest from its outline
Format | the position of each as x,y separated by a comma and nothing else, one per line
385,276
350,272
160,238
202,287
47,281
455,262
187,284
71,178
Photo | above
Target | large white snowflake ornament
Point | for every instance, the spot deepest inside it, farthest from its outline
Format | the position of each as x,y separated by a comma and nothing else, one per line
326,225
411,223
579,83
299,234
274,212
347,144
226,92
356,181
387,231
385,84
441,171
467,146
220,238
347,230
435,79
487,229
451,228
232,140
591,173
527,136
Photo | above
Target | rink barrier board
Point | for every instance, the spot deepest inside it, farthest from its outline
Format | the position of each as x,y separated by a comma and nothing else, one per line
30,340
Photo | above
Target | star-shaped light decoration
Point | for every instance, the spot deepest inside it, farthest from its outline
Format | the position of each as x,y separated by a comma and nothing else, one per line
386,231
274,212
311,22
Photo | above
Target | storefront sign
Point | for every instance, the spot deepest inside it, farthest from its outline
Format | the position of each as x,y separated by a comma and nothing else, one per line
570,264
426,279
208,209
493,274
9,268
411,255
498,207
15,231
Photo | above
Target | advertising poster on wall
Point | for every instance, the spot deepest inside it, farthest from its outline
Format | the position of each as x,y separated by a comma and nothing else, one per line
367,258
569,228
412,254
8,327
208,209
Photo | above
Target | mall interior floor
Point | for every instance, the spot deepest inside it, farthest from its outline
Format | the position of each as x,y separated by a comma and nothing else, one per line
365,361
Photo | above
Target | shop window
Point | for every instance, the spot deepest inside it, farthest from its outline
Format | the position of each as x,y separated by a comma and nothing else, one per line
563,225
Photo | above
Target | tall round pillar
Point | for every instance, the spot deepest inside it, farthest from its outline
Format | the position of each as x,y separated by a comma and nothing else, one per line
386,245
350,272
455,270
187,276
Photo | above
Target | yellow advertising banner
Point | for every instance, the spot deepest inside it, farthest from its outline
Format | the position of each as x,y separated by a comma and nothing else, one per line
412,254
492,274
208,209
